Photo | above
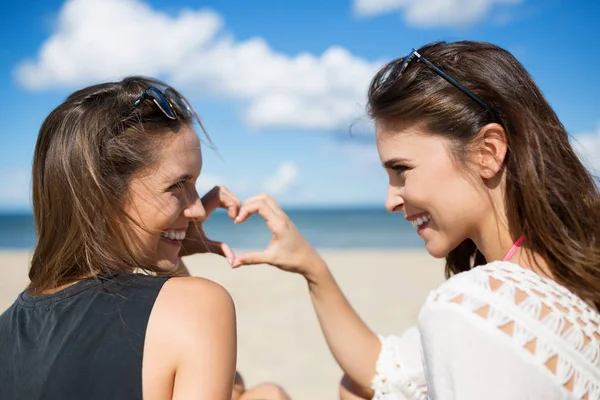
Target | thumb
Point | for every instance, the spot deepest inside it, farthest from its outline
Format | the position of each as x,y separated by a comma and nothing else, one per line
258,257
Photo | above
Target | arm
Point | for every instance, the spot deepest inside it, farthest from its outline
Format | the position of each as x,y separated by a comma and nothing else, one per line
353,345
392,366
238,384
193,329
375,367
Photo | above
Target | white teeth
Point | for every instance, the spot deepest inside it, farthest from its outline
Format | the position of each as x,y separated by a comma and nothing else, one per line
421,220
173,235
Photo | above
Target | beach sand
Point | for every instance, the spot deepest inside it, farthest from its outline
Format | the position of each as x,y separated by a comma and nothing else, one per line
278,333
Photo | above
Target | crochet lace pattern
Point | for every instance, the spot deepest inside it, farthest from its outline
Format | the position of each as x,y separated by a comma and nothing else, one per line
558,329
393,380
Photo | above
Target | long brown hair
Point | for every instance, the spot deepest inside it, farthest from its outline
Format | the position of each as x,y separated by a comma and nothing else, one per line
87,151
550,196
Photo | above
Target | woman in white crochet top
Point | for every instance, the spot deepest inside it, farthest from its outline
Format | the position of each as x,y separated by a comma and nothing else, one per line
482,166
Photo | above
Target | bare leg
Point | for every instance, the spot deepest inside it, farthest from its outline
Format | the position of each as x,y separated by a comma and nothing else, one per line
266,391
349,390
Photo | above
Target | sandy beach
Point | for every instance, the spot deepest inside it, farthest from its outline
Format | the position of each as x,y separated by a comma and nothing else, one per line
279,336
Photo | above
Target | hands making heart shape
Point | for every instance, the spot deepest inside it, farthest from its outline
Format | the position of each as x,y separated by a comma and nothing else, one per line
288,250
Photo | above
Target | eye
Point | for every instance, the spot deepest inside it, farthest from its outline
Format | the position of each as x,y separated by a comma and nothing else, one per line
400,169
178,185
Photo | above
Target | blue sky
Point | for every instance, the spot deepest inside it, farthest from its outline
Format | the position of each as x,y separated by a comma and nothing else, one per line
278,84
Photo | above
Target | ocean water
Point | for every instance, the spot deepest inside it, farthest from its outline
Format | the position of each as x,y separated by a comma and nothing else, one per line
367,228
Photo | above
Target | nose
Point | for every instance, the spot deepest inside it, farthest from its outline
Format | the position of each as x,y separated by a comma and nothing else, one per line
394,202
194,208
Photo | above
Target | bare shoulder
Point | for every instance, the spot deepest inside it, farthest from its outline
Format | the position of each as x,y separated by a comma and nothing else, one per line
192,294
192,323
187,304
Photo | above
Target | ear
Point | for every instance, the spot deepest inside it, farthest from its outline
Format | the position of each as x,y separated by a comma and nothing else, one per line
492,150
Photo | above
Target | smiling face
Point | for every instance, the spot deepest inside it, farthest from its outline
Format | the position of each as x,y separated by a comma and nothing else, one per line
163,199
430,188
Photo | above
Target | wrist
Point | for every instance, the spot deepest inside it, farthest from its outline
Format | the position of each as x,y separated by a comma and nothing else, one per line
316,270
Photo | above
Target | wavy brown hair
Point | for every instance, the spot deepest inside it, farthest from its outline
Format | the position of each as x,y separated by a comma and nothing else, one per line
550,196
87,151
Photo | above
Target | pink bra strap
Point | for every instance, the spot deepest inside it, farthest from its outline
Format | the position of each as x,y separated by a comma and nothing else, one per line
513,249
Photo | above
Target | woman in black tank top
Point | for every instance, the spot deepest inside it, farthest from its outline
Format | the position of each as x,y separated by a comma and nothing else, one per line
111,312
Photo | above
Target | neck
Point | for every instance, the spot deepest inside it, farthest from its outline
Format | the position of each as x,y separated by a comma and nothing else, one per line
492,236
494,240
495,244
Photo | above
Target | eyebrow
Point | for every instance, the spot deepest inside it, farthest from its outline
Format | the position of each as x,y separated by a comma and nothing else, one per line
393,161
183,177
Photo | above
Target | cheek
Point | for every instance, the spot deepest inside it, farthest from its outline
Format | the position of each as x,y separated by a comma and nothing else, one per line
459,203
443,191
168,213
426,187
157,217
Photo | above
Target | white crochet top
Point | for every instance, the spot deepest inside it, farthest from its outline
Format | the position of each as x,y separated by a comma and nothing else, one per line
495,332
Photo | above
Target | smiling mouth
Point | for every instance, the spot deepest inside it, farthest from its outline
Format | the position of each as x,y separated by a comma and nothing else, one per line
421,221
173,237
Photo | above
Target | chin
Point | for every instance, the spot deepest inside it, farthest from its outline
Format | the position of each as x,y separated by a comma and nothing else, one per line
435,250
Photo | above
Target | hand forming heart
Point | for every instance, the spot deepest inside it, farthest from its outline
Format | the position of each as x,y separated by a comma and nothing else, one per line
196,240
288,249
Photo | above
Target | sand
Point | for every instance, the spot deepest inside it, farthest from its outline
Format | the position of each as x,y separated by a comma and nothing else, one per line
279,336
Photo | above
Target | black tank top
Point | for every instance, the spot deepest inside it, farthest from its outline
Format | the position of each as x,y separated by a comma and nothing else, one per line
83,342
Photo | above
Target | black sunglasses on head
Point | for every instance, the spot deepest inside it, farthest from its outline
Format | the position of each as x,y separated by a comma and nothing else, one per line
415,54
164,100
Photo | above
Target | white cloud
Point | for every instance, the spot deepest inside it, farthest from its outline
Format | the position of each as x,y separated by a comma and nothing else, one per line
101,40
284,178
98,40
306,91
587,146
431,13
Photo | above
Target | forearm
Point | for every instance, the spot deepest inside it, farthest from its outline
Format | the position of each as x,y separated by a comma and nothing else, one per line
354,346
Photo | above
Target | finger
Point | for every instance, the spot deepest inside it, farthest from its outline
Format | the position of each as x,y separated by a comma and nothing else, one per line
231,202
221,197
228,253
274,206
210,201
267,202
253,258
244,213
255,205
